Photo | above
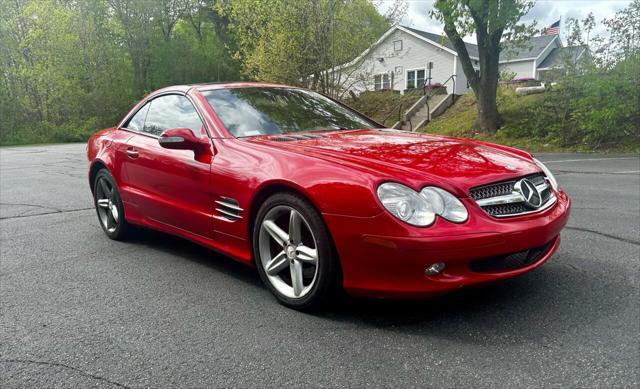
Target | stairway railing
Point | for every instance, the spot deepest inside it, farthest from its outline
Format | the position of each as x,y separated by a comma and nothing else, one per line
432,91
398,108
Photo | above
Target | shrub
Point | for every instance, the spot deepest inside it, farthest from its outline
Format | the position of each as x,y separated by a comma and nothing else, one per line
587,110
592,108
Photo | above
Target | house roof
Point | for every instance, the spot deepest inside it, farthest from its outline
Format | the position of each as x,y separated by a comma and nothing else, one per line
559,55
443,40
530,50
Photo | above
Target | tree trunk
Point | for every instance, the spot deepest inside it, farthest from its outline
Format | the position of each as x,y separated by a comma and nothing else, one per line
139,77
488,118
484,84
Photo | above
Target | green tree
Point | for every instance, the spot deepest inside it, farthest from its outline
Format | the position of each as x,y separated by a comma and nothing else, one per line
490,20
298,42
59,67
624,34
69,67
596,101
137,31
589,23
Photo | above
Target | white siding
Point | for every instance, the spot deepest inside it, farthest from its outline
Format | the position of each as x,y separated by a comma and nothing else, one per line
415,54
521,68
461,80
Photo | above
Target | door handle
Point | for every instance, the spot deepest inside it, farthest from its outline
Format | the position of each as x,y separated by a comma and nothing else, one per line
132,152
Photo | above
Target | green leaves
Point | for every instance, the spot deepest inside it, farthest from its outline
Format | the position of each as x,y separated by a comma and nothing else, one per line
70,67
490,20
592,108
295,42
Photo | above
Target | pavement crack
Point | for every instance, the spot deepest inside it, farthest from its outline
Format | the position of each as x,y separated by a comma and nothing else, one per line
64,366
631,241
45,213
31,205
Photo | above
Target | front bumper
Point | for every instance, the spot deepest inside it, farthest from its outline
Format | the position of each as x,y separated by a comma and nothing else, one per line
382,257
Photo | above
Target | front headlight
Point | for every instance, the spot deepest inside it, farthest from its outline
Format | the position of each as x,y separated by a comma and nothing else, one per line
420,209
547,172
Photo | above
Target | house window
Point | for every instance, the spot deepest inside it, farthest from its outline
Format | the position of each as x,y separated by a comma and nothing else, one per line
381,82
415,78
386,82
397,45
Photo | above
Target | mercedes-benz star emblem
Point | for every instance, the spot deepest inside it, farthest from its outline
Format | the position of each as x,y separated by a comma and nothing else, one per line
529,192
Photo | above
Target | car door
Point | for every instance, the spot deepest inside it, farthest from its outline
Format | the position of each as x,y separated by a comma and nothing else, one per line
169,186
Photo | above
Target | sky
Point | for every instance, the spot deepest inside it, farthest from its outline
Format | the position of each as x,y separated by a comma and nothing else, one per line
544,11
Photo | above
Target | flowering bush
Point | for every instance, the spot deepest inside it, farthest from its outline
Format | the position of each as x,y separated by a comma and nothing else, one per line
522,79
435,85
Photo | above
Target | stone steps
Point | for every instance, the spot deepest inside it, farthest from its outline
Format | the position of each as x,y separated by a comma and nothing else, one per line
420,117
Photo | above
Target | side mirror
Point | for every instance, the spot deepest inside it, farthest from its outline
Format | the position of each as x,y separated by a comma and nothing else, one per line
182,139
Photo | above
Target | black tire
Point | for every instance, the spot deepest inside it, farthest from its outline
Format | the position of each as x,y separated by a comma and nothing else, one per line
327,278
121,230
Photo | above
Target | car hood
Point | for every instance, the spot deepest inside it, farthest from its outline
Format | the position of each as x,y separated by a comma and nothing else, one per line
416,158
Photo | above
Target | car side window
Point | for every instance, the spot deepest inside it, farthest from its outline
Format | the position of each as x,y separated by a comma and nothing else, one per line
172,111
136,123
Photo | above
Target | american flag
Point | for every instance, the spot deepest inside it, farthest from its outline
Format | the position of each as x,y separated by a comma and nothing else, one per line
553,29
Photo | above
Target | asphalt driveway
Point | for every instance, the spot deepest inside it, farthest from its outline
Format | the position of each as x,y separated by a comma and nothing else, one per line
77,309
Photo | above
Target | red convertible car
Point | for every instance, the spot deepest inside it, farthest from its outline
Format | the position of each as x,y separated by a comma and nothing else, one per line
318,197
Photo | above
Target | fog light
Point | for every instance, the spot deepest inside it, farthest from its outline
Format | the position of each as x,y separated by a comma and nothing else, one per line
434,269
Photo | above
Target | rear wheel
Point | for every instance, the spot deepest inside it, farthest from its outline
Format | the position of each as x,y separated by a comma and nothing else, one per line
109,206
293,253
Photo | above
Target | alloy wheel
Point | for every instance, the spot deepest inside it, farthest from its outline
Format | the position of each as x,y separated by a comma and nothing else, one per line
106,205
288,251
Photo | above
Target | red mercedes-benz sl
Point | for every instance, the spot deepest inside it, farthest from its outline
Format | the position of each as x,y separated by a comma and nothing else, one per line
318,197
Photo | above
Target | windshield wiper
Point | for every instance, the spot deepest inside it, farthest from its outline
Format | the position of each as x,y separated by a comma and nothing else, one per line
329,129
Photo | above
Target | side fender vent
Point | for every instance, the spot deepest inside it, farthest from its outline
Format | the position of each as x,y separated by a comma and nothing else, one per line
227,209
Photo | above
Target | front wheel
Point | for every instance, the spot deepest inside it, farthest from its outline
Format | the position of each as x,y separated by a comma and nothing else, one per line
293,253
109,206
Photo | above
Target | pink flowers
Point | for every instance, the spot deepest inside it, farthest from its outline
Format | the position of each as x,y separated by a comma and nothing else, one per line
435,85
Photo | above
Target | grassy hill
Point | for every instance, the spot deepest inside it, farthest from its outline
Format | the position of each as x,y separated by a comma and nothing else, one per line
529,122
514,110
383,106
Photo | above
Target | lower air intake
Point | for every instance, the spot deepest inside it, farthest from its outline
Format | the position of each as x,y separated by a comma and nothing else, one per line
511,261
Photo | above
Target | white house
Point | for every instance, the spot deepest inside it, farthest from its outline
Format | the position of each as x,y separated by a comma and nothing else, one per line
401,58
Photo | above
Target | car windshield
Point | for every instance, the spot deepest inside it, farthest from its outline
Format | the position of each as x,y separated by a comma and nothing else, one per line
271,111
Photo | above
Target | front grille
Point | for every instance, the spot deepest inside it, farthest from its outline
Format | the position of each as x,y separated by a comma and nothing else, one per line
495,190
500,200
511,261
506,209
503,188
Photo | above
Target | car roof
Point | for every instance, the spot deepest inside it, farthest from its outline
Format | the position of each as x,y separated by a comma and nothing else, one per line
219,85
238,84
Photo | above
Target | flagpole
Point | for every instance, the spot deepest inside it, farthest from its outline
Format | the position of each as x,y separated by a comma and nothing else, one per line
560,30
